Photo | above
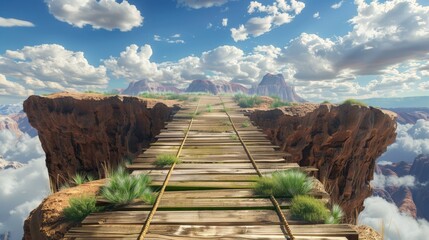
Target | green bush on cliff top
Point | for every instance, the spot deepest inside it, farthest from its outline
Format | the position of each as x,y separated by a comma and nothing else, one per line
80,207
354,102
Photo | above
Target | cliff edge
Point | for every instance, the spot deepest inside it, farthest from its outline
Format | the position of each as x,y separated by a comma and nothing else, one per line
343,142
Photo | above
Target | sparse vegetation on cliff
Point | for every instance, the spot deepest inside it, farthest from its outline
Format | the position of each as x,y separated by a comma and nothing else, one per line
287,183
165,160
122,188
80,207
354,102
309,209
278,103
336,215
246,101
167,96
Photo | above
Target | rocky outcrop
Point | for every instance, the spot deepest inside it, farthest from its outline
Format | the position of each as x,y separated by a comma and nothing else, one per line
275,85
420,171
9,164
137,87
47,220
84,132
342,141
215,88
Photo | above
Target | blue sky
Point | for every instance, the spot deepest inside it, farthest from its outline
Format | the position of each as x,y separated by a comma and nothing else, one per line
328,49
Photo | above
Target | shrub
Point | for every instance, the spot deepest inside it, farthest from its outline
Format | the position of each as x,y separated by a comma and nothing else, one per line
336,215
246,101
309,209
287,183
278,103
166,159
80,207
122,188
326,102
354,102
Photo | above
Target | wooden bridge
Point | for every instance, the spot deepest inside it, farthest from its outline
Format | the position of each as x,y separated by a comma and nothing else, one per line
209,194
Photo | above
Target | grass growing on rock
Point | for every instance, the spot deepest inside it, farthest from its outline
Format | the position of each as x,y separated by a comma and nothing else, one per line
336,215
277,102
354,102
81,178
309,209
122,188
166,159
80,207
246,101
287,183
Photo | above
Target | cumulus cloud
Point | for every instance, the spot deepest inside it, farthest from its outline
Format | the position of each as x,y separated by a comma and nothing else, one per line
411,140
12,89
175,38
197,4
23,188
12,22
105,14
337,5
51,67
381,181
275,15
316,15
396,225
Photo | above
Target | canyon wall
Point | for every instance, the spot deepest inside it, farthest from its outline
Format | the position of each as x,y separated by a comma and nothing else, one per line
343,142
86,132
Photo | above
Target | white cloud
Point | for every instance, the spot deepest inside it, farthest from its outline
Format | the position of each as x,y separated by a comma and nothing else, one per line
337,5
12,89
381,181
21,189
277,14
12,22
197,4
396,225
209,25
316,15
105,14
177,35
51,67
225,22
172,39
411,140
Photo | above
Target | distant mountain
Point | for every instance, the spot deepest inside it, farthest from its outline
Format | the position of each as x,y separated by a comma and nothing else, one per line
135,88
412,200
410,115
9,164
275,85
215,87
7,123
6,109
405,102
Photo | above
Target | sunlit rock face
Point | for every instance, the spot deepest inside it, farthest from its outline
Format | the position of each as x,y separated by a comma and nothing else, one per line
275,85
137,87
343,142
215,87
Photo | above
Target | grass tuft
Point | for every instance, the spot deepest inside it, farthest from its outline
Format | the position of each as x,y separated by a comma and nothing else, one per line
354,102
336,215
246,101
122,188
278,103
245,124
80,207
233,137
287,183
309,209
209,108
166,159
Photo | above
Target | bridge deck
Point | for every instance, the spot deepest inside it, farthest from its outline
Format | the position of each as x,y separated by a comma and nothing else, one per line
209,194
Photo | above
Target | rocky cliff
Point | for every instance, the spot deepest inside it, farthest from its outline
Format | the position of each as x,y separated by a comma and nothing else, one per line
275,85
137,87
84,132
215,88
342,141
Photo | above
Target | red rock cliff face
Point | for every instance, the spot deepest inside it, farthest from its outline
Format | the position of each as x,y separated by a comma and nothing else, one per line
343,142
81,132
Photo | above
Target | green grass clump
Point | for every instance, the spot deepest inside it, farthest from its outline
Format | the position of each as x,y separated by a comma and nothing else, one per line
354,102
81,178
287,183
278,103
80,207
246,101
309,209
233,137
245,124
166,159
209,108
326,102
336,215
122,188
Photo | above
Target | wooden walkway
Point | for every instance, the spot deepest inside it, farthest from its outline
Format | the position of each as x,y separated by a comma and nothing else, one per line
209,194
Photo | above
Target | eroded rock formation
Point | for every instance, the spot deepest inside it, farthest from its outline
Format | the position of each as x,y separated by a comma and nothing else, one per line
275,85
83,132
342,141
215,88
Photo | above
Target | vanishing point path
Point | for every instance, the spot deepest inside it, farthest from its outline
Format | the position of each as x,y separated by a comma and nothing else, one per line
209,194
